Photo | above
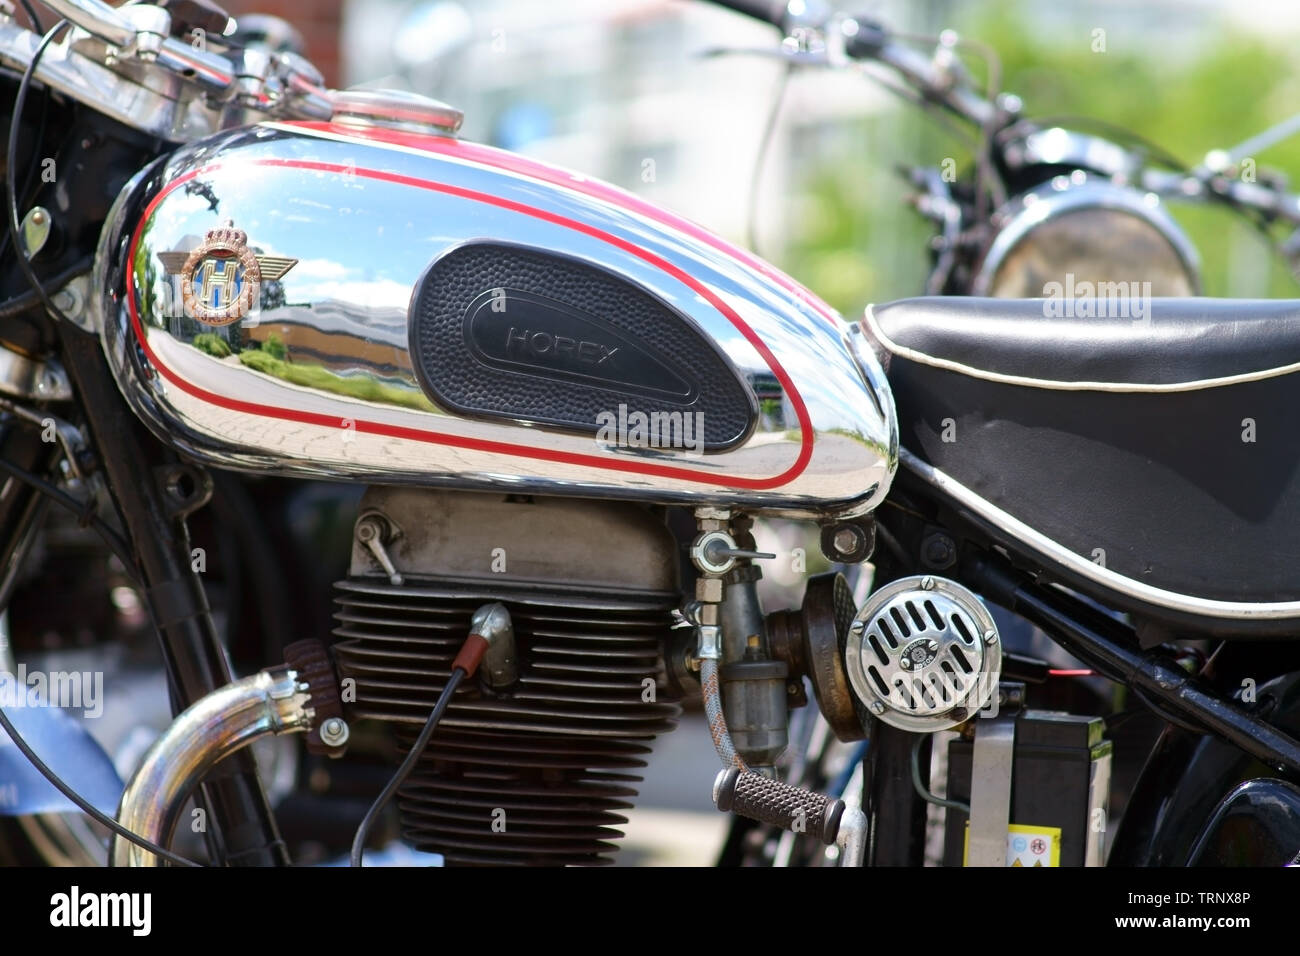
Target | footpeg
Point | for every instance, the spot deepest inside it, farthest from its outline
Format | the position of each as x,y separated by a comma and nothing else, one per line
779,804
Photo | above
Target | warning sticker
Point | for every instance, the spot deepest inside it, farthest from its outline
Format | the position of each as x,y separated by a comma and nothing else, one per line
1026,846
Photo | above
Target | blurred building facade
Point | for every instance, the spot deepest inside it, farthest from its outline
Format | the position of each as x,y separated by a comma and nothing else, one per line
617,89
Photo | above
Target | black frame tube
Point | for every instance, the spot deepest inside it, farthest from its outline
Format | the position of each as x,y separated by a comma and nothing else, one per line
1098,641
243,831
895,811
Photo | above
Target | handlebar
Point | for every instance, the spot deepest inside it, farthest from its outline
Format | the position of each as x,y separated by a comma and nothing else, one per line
1274,202
255,80
96,18
940,78
119,28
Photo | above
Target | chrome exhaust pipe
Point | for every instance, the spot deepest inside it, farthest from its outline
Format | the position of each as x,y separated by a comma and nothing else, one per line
272,701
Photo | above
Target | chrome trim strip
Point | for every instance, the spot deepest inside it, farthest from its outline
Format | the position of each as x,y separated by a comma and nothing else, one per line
1048,549
922,358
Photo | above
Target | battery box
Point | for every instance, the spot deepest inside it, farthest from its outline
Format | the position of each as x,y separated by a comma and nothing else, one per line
1060,786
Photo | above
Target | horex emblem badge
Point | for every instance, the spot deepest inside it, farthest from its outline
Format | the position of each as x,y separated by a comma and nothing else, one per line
221,277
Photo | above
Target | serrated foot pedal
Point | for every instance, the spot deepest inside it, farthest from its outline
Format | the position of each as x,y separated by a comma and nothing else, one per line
779,804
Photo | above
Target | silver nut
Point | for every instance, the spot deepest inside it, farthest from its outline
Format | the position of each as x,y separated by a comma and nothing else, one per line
334,732
846,541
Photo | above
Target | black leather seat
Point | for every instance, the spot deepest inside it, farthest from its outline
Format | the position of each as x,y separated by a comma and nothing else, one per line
1165,446
1161,342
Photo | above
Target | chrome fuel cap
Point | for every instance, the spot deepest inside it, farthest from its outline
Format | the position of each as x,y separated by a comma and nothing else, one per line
396,109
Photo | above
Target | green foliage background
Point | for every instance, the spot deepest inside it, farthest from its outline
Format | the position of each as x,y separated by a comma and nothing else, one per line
855,240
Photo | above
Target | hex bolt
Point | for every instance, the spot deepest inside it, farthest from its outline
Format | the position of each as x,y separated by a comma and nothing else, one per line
846,541
334,732
938,552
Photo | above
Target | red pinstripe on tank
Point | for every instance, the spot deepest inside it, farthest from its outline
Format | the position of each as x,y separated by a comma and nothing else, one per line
496,447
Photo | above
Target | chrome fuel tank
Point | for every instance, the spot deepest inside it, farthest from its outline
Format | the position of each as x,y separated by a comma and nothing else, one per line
317,300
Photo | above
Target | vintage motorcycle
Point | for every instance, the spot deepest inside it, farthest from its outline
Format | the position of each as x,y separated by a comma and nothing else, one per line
245,314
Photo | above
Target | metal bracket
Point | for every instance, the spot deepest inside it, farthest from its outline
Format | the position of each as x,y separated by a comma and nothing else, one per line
990,791
35,230
849,542
186,488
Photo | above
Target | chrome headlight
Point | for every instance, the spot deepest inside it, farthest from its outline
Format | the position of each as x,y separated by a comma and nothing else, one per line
1074,230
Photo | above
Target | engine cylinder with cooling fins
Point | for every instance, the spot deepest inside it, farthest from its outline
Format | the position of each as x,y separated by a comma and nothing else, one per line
923,654
536,772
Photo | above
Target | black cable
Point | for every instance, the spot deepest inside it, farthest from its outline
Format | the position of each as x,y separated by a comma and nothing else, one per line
111,537
123,554
15,226
880,75
32,167
31,15
86,806
404,771
986,174
115,541
920,788
21,303
120,549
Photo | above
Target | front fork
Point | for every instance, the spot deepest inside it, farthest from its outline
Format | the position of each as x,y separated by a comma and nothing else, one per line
243,831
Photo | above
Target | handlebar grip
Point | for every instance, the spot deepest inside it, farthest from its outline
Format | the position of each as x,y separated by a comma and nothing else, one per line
779,804
869,39
769,11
